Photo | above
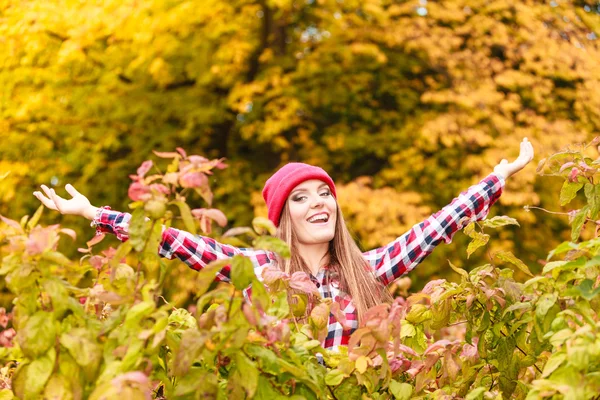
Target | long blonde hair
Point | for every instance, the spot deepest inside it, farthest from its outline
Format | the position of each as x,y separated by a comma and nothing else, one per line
345,258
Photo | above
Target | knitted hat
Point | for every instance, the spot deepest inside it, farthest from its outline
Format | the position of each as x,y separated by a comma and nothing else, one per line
282,182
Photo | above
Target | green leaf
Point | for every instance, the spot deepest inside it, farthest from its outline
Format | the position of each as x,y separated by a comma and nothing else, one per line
401,391
242,272
6,394
419,313
248,373
58,294
592,194
479,240
499,221
192,342
509,257
578,222
569,191
545,303
38,334
334,377
58,387
138,312
85,351
476,394
38,373
464,274
585,290
551,265
264,226
553,363
271,243
186,215
35,218
139,229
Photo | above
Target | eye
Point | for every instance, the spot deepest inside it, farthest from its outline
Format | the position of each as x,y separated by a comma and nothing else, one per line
299,198
326,193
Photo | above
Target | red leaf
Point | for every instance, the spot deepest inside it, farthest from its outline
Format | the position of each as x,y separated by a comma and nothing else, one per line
145,167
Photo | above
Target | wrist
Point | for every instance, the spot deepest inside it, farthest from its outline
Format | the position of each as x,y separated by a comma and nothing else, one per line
90,212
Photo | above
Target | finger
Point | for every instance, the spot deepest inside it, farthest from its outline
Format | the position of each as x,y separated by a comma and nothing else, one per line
56,199
46,190
45,201
72,191
504,161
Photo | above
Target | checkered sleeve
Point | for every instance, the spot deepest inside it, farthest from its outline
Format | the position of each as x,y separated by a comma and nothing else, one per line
407,251
194,250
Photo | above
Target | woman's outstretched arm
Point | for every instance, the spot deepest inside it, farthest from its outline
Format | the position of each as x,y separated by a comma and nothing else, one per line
407,251
195,250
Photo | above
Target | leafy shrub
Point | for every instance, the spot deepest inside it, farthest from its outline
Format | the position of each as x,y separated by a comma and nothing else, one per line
99,327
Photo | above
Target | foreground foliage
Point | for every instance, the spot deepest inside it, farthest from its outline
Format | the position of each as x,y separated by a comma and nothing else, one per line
411,94
99,327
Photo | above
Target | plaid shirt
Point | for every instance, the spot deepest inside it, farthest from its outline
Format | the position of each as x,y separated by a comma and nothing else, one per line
388,262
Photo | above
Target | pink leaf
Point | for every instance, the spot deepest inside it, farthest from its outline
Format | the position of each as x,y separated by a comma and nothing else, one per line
300,281
573,175
566,165
95,240
431,286
182,152
469,352
159,188
69,232
144,168
197,160
162,154
407,350
138,192
272,274
217,216
170,178
136,378
586,167
193,180
339,315
13,224
440,344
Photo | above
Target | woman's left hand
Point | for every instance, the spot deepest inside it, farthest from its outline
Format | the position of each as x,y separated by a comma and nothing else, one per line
506,169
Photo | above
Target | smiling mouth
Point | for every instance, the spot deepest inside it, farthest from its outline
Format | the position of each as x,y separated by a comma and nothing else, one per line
319,218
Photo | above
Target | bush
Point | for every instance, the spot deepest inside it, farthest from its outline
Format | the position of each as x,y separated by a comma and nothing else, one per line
99,327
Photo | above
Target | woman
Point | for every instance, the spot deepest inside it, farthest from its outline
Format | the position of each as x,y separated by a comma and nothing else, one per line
301,202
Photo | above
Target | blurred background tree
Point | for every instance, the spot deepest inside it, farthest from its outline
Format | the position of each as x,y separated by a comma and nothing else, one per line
405,103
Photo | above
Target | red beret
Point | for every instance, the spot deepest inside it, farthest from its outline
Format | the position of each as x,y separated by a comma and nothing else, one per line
279,186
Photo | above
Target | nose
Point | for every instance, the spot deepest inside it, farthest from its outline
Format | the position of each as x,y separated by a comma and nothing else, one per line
317,202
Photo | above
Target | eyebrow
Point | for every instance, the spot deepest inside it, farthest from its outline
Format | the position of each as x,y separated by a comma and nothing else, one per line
305,190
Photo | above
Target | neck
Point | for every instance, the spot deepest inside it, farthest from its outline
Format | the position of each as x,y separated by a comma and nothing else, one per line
314,255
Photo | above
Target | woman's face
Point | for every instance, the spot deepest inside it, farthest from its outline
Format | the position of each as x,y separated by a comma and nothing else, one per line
313,211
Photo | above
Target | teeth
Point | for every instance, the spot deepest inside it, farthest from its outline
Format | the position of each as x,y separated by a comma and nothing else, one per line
321,217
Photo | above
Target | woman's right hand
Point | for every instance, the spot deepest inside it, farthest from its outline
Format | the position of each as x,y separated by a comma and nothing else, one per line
77,205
